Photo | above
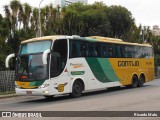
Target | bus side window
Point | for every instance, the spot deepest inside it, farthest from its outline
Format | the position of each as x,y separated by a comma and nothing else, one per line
98,50
150,52
110,51
128,51
122,51
83,50
74,50
118,51
92,50
104,52
147,51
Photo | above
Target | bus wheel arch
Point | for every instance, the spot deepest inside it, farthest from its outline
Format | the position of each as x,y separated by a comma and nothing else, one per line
77,88
141,80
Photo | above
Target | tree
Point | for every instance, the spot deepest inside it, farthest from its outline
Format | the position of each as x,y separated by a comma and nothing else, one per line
11,13
34,22
14,6
26,16
120,20
21,23
4,48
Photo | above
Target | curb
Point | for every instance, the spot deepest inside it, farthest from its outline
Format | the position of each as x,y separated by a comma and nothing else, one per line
8,96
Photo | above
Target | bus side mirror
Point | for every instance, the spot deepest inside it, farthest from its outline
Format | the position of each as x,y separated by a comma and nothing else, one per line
44,56
8,58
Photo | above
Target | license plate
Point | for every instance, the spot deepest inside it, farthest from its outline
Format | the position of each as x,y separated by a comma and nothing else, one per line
29,92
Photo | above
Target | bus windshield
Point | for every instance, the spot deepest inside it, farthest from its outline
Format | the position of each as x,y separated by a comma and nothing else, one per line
35,47
30,66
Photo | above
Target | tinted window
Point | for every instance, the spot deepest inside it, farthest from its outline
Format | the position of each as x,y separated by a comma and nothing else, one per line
74,49
147,52
128,51
107,50
92,50
98,49
119,51
104,51
78,48
110,50
58,57
83,49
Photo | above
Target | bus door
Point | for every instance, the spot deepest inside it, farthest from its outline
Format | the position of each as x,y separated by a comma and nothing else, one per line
58,71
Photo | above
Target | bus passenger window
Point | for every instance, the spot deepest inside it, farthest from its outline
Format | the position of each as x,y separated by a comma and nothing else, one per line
74,50
84,52
98,50
117,51
92,52
128,51
122,52
138,51
147,51
110,51
150,52
104,52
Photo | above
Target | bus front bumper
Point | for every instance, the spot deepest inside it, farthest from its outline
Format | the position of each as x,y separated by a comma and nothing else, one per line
38,91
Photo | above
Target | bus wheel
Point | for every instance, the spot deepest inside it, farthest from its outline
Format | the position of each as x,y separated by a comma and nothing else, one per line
141,81
134,81
76,89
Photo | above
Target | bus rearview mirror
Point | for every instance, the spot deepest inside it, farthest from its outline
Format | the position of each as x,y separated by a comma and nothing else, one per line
8,58
44,56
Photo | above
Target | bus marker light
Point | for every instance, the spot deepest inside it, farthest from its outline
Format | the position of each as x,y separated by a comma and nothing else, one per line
45,92
66,70
23,77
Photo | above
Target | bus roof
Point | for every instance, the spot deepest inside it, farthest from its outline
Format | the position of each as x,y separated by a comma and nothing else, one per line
43,38
117,41
90,38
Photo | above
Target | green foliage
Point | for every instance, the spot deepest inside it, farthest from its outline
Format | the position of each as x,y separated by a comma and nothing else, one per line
120,20
21,22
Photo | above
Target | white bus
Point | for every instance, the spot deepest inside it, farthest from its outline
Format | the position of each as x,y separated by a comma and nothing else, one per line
55,65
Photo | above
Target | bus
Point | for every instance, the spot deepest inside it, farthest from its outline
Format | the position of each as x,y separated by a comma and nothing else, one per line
56,65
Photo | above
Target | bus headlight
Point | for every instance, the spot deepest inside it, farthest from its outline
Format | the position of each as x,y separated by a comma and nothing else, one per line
44,86
45,92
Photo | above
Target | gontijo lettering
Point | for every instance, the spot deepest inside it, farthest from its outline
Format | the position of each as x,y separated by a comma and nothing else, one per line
128,63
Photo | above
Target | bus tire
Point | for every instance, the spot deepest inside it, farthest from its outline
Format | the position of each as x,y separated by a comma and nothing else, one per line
141,80
134,81
77,89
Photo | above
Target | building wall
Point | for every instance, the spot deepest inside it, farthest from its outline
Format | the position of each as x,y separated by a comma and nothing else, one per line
156,30
63,3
